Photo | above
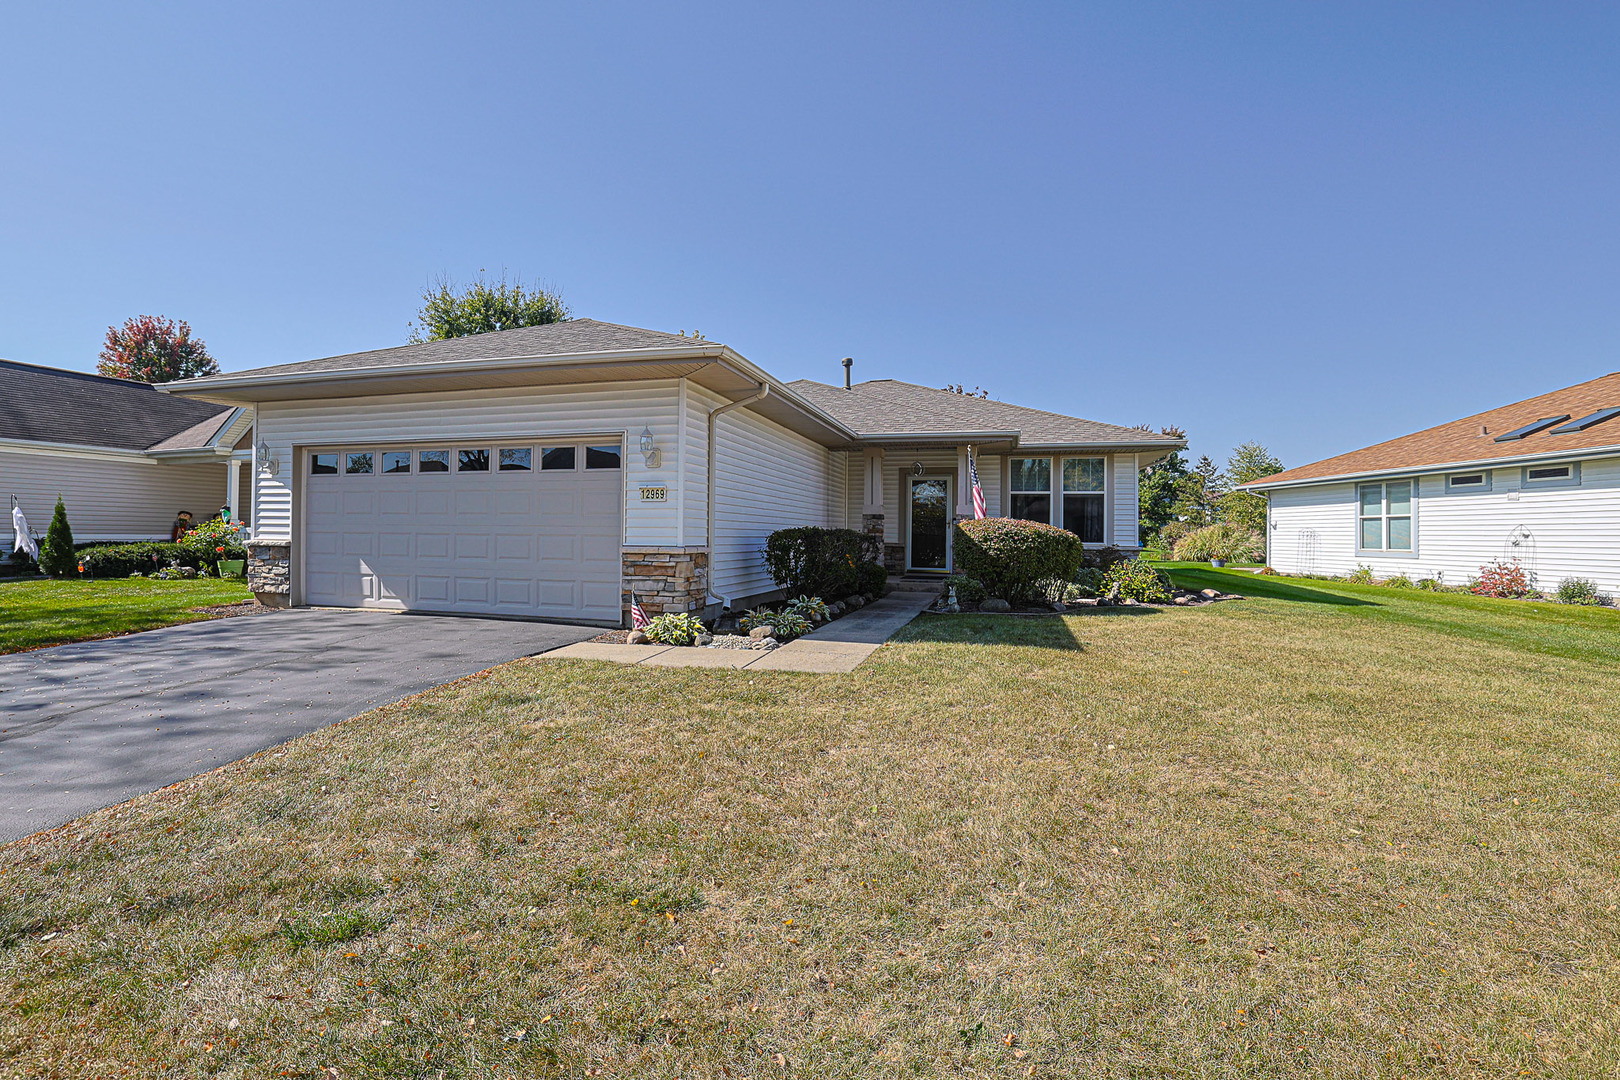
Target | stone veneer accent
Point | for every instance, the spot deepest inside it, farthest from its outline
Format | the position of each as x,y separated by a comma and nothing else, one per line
269,573
666,579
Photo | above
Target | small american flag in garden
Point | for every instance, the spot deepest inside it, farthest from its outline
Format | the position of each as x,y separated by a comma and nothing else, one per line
638,617
978,492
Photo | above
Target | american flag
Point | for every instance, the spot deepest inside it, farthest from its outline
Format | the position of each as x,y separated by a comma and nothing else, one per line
638,617
978,492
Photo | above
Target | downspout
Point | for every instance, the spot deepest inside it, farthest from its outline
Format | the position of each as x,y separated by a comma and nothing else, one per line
709,470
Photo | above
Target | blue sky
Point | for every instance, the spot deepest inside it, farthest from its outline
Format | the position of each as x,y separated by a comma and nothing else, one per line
1312,225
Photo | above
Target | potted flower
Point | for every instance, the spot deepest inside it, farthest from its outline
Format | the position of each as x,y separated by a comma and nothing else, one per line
1217,562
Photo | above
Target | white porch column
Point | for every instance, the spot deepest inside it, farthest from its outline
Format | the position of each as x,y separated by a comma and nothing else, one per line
873,501
233,487
964,485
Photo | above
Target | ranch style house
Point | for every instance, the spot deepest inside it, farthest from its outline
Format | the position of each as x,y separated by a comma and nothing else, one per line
1536,482
552,471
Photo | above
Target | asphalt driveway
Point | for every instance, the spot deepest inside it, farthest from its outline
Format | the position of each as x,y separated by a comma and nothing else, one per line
89,725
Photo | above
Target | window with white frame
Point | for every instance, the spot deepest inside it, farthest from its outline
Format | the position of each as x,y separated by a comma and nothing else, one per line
1031,488
1565,475
1469,481
1386,516
1084,482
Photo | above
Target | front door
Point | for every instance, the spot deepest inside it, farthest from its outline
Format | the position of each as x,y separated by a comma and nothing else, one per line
930,523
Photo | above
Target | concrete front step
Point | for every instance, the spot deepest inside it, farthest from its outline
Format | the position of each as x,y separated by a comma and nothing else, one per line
932,586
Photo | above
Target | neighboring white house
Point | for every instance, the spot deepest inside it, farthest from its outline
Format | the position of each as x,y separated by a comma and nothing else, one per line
122,457
1537,482
551,471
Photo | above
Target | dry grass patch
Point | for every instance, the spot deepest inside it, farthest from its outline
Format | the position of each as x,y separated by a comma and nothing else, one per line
1274,838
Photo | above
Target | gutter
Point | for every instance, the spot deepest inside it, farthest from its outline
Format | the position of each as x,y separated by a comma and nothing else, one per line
1582,454
709,470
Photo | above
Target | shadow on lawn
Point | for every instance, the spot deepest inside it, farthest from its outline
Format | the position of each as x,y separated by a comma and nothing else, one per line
1267,588
1019,631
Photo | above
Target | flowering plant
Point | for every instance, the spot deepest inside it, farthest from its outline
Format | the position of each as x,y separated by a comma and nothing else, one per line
1503,578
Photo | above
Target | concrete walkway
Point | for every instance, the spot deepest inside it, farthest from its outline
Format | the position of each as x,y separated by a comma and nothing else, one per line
837,647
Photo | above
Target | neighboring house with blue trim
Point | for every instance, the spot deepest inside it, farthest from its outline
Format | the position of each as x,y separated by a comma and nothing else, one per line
1537,481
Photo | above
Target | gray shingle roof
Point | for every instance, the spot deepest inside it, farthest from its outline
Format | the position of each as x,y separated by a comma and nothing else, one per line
891,407
555,339
42,404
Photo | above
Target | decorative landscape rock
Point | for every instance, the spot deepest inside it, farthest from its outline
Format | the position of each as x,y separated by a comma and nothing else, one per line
704,639
995,604
762,632
636,637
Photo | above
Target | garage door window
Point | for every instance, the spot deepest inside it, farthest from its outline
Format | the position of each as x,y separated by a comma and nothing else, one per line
397,461
323,464
601,457
557,457
358,464
433,461
516,460
472,461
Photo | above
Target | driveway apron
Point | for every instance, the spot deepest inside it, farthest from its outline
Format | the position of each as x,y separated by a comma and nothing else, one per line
89,725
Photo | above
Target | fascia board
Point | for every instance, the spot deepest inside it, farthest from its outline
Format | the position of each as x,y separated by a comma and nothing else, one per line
1584,454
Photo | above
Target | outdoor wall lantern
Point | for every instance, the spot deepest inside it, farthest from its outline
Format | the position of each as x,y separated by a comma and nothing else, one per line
269,464
650,453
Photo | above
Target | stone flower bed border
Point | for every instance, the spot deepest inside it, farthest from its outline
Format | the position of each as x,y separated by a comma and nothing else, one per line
761,638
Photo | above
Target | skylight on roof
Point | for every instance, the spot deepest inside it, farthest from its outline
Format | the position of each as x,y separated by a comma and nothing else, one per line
1531,429
1586,421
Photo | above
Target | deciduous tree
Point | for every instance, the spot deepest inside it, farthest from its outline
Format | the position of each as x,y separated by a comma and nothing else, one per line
450,311
150,348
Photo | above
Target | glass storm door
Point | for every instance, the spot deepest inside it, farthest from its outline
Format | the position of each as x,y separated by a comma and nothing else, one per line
930,523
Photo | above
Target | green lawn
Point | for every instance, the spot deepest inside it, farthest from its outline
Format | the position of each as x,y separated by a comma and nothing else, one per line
1331,831
44,612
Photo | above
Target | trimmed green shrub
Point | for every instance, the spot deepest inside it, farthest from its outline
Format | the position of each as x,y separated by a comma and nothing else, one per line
1579,591
1223,540
1102,558
1136,580
968,590
1088,581
812,561
56,555
1012,558
870,578
674,628
122,560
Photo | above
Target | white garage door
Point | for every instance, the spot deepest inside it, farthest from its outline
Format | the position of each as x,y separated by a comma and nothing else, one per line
505,528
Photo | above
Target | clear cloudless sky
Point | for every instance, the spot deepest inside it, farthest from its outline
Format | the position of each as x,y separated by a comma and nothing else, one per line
1315,225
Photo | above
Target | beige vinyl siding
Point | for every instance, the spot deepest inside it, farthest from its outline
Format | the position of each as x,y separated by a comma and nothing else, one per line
1124,502
109,495
1570,530
528,413
766,478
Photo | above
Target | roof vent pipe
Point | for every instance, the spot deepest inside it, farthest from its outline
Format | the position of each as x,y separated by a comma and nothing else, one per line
849,362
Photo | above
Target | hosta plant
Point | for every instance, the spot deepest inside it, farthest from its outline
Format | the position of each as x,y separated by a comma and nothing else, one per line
760,616
811,607
674,629
789,624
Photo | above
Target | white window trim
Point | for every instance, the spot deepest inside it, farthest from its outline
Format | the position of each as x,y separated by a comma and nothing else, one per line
1572,480
1384,516
1107,493
1455,489
1054,484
